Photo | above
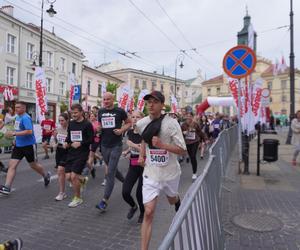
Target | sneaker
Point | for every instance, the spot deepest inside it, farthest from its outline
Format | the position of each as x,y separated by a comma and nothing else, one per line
131,212
177,204
75,202
103,183
194,177
13,244
102,205
47,179
93,173
61,196
140,219
46,157
4,190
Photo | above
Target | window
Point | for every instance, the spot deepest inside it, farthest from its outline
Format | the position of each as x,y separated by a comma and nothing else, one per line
74,68
62,88
29,51
172,89
162,87
62,64
48,85
88,88
283,84
283,98
178,89
29,81
208,92
99,90
49,59
218,91
137,83
153,83
10,75
144,84
11,44
269,85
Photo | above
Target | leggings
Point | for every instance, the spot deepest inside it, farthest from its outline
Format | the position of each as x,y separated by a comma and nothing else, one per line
296,152
192,151
134,173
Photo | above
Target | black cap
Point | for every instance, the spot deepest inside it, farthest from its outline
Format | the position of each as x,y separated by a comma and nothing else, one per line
156,95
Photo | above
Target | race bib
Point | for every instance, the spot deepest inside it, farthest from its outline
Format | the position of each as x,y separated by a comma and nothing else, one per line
76,136
61,138
159,157
190,135
17,125
217,125
108,122
47,127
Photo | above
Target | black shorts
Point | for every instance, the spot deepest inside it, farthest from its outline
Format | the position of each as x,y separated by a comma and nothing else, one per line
60,156
46,138
76,165
94,146
29,152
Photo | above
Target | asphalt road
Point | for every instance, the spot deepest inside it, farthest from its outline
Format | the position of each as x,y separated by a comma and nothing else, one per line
30,212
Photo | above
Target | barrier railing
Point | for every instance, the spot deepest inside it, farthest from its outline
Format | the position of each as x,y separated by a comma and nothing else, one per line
197,224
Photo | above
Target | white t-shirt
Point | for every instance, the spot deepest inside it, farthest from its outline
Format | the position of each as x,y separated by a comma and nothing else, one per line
162,165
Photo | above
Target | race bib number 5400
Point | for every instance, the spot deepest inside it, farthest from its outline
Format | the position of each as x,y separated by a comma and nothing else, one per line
159,157
108,122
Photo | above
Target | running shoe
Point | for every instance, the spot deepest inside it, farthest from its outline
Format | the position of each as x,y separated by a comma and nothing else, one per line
47,179
103,183
75,202
93,173
131,212
177,204
61,196
140,219
4,190
13,244
102,205
46,157
194,177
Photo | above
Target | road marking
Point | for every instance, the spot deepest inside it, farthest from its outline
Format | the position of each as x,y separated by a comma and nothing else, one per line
53,177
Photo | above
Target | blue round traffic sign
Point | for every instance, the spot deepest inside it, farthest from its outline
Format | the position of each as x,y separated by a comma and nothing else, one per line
239,61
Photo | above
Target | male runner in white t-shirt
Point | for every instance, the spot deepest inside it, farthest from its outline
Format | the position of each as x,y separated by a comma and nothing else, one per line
162,170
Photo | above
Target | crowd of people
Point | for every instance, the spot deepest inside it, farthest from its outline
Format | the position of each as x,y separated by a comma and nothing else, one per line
156,145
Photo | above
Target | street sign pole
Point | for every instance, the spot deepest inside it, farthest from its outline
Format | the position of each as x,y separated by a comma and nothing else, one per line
239,126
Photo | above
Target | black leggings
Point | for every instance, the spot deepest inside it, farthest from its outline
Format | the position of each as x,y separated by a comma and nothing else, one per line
192,151
134,173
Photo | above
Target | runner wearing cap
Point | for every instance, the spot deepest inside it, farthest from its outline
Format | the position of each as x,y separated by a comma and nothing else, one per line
111,120
162,142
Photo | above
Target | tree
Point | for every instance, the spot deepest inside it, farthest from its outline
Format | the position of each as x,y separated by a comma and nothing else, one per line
167,108
112,87
64,104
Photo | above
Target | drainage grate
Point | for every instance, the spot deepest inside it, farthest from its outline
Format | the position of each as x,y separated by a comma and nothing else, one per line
257,222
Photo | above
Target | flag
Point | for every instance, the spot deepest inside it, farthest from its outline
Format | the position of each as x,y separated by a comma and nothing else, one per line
282,66
130,104
124,96
8,94
251,35
276,67
141,101
174,104
72,82
103,90
40,90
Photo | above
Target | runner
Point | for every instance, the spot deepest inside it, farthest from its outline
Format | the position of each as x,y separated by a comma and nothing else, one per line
135,172
60,135
204,125
78,141
111,120
3,168
25,147
48,126
163,139
95,145
193,136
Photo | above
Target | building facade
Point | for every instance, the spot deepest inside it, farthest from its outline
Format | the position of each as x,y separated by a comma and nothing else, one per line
139,79
92,80
19,44
193,90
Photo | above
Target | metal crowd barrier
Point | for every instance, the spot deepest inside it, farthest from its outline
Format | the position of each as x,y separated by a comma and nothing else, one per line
197,224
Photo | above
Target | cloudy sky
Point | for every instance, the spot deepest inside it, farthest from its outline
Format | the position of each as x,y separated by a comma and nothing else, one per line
157,30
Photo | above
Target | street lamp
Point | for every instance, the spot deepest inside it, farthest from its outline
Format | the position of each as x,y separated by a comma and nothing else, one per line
51,13
180,58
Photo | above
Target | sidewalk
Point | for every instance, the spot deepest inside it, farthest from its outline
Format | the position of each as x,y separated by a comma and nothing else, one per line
263,212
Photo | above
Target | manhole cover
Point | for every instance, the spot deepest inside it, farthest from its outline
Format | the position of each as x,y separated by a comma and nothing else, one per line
257,222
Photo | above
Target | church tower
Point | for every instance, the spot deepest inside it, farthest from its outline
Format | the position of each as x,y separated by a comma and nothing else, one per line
242,36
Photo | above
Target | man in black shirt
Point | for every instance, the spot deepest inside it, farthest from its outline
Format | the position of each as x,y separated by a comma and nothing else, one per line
80,136
111,120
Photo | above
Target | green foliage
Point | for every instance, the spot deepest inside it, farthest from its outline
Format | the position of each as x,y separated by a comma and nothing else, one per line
167,108
64,104
112,87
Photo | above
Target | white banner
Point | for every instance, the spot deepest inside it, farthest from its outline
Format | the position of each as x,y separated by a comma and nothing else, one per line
141,101
124,96
174,104
40,90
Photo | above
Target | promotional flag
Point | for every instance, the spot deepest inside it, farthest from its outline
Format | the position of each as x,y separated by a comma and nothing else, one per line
8,94
251,35
141,101
124,96
72,82
40,90
130,105
174,104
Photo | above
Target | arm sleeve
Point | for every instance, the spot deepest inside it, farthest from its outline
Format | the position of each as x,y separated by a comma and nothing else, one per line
88,139
27,123
68,138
